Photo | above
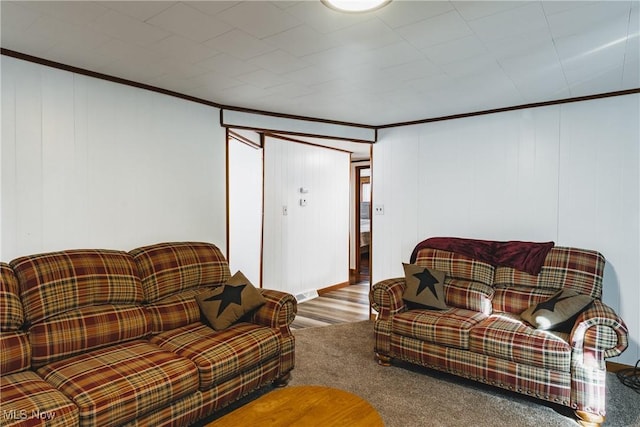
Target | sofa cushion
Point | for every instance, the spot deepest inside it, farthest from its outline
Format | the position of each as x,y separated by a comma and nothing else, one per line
85,329
507,337
175,311
168,268
424,287
58,282
28,400
11,313
456,266
220,355
15,352
117,384
564,268
558,312
470,295
448,327
516,299
226,304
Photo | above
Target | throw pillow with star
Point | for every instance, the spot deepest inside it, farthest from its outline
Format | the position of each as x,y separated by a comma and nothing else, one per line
559,312
424,288
226,304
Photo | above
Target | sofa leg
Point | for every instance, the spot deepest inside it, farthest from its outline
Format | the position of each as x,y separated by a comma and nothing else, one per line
283,380
383,360
587,419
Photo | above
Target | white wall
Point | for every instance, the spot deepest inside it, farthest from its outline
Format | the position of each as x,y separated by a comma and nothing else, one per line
245,210
567,173
307,249
90,163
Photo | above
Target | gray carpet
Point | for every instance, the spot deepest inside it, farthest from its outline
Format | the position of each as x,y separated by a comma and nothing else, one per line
341,356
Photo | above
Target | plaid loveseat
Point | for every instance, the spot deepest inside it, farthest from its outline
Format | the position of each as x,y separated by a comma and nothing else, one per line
481,336
106,338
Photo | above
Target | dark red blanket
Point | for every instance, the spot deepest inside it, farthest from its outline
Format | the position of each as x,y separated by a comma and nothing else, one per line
525,256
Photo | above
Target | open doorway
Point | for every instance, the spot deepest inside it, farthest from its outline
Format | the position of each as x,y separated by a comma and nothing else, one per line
363,223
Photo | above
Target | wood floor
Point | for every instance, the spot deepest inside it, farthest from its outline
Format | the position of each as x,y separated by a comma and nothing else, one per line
349,304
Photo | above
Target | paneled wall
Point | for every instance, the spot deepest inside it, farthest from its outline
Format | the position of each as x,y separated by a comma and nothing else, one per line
245,210
90,163
308,248
566,173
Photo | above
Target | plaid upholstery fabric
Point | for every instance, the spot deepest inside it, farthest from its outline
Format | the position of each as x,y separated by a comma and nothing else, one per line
382,333
57,282
180,413
598,333
278,312
15,352
564,268
168,268
220,355
117,384
588,387
237,387
386,297
11,314
506,337
287,355
475,296
446,327
85,329
516,299
175,311
200,404
563,368
456,266
545,384
27,400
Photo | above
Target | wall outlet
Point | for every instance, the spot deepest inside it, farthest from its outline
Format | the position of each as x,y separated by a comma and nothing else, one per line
285,210
378,209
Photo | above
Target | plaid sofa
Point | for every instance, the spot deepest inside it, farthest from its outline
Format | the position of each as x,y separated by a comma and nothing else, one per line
107,338
481,336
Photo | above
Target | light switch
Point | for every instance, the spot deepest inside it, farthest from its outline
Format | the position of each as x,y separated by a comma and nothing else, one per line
303,202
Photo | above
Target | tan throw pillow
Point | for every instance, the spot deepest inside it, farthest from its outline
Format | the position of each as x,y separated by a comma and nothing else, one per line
424,287
557,313
224,305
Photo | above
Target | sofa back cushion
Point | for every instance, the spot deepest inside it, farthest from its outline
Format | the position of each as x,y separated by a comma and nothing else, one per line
172,274
79,300
15,352
11,313
456,266
564,268
468,282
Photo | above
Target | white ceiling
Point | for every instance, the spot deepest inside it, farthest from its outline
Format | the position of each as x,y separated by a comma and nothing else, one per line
410,60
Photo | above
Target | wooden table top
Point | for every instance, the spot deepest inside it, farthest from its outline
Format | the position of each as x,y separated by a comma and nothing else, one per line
303,406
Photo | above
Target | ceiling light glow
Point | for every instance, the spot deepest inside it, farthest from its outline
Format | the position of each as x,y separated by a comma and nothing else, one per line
355,5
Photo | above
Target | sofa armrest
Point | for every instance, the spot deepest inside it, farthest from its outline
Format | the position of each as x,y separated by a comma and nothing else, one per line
278,312
598,333
386,297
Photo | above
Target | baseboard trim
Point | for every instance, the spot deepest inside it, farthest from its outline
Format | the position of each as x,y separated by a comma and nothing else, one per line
332,288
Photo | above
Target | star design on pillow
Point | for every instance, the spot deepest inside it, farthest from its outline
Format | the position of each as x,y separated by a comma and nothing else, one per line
550,304
229,295
426,281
